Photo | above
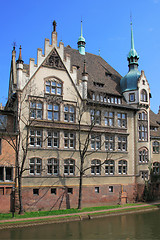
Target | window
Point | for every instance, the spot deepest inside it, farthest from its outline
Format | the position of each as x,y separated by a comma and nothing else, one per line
35,166
1,173
69,140
143,95
69,113
53,191
36,138
144,175
70,190
143,116
143,126
122,167
156,168
3,121
53,139
9,173
53,112
131,97
95,142
96,189
143,132
95,116
35,191
110,188
109,118
96,167
52,166
122,120
109,167
6,174
36,110
54,87
69,167
0,146
122,143
155,147
109,142
143,156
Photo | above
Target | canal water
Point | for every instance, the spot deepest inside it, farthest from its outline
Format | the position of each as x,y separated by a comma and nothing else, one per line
131,226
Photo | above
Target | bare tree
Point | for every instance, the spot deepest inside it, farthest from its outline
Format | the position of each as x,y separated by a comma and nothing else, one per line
84,141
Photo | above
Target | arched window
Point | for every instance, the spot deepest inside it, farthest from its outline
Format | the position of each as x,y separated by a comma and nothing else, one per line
52,166
155,147
69,167
156,167
143,156
109,167
53,86
35,166
122,167
143,95
96,167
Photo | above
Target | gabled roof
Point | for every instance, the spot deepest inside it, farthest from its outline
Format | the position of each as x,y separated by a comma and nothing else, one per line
101,76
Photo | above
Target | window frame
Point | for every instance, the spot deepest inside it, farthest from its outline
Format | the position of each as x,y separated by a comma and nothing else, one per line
155,147
69,116
109,118
52,167
69,167
55,114
36,109
110,142
122,167
109,167
96,167
122,120
33,166
53,139
53,84
36,139
143,156
69,140
122,143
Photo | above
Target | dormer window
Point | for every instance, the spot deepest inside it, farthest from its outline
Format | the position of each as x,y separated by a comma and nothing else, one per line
53,87
131,97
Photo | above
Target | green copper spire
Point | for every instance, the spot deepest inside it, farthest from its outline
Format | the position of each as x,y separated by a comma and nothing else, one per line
129,81
81,42
132,52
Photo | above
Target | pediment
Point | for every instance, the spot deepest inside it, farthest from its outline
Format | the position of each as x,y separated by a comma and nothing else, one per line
54,61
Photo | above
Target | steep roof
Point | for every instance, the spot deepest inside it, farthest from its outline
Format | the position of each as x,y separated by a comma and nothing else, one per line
101,76
155,122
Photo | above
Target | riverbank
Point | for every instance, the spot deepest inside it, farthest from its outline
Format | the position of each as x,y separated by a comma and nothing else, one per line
76,215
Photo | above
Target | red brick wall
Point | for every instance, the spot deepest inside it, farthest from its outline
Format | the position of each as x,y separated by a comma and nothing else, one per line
47,201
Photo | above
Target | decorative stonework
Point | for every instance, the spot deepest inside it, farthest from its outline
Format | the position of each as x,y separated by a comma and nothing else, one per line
53,61
53,99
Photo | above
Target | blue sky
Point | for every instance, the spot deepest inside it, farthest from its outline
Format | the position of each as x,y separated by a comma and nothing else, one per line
106,26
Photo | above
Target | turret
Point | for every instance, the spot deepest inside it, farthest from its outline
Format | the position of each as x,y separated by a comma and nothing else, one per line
84,81
13,73
81,43
19,70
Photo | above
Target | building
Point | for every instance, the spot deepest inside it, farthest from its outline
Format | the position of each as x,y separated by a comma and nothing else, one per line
63,98
7,159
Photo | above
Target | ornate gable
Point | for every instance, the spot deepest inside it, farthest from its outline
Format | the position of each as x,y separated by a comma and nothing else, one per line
54,61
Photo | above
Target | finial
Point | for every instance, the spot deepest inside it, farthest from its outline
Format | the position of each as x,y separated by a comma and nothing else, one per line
54,26
99,51
14,45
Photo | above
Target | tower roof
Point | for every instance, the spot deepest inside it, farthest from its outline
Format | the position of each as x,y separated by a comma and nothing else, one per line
132,52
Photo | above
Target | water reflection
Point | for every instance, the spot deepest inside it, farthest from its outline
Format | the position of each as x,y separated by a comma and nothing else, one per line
134,226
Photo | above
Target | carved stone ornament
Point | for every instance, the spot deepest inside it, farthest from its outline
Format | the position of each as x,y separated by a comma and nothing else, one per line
54,61
53,99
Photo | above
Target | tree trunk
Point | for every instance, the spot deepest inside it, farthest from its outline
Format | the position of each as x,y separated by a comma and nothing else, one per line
80,187
20,194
